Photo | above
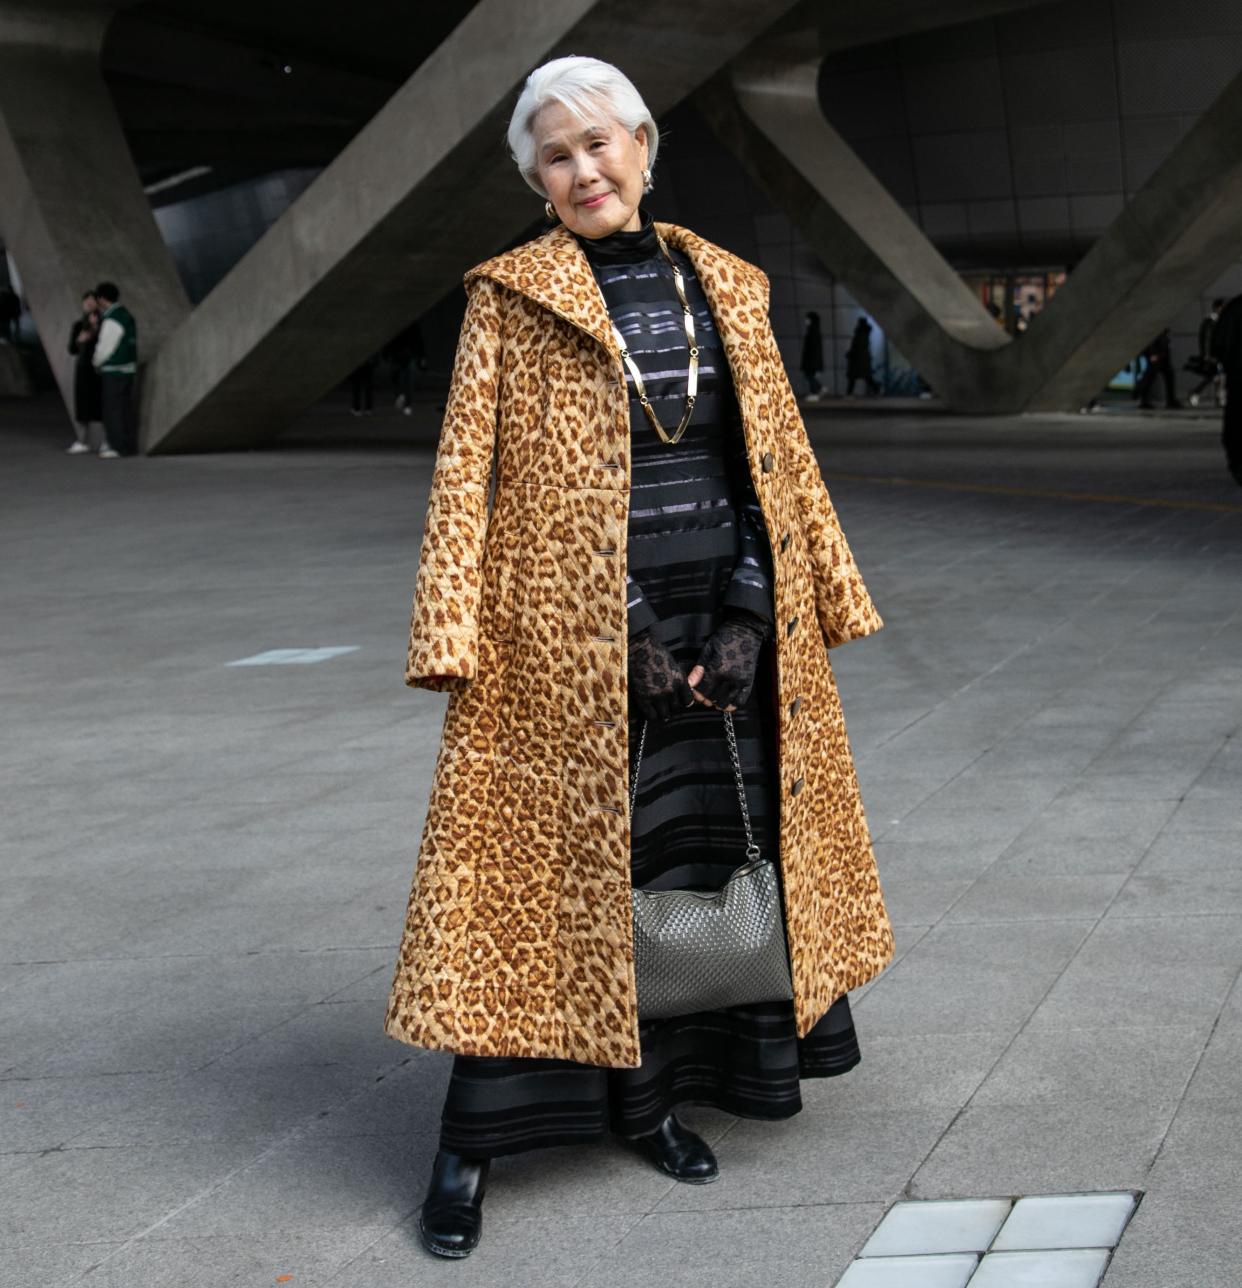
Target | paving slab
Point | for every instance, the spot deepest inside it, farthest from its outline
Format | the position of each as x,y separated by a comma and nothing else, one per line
109,1194
804,1246
975,976
1044,1148
1142,1066
1180,1240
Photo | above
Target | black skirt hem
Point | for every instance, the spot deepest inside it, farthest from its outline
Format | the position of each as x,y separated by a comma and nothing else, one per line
497,1107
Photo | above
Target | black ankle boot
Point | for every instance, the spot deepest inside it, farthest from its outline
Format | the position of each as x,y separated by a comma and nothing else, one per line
451,1218
678,1152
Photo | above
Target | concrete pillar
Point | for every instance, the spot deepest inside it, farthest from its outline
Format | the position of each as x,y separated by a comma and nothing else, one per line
769,116
1171,242
424,191
1180,230
72,209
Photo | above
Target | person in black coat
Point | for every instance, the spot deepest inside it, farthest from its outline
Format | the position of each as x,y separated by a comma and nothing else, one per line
1227,350
87,395
362,387
407,355
1203,364
812,356
858,360
10,314
1159,363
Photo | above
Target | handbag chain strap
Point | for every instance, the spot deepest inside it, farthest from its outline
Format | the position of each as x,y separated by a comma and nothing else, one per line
752,850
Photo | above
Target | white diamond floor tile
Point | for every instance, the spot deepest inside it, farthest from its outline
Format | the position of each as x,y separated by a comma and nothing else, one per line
951,1271
953,1225
1065,1221
1072,1268
293,656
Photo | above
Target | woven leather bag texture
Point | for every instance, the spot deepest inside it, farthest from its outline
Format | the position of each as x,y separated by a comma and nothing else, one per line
705,950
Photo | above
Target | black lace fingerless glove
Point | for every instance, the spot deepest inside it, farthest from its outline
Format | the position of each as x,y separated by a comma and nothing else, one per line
729,659
657,686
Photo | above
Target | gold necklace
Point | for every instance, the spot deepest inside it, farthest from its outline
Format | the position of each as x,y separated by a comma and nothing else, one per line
692,373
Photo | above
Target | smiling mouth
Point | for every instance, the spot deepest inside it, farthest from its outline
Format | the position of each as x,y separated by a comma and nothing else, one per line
594,201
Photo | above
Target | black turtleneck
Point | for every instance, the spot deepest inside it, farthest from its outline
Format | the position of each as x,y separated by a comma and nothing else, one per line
703,480
623,247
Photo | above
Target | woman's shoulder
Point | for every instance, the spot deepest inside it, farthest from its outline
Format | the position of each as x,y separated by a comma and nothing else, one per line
711,255
532,256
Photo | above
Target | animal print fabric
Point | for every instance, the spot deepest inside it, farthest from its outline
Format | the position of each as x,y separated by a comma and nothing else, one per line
518,936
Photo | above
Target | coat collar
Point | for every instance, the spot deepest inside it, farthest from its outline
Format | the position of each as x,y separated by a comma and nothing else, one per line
553,270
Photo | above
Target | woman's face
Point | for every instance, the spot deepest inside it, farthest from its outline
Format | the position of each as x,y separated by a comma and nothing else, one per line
592,172
88,304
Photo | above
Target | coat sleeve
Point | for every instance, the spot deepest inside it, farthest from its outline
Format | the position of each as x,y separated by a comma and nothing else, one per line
752,583
842,604
111,333
444,623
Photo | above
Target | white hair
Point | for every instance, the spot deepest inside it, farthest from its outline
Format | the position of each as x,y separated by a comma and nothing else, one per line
581,84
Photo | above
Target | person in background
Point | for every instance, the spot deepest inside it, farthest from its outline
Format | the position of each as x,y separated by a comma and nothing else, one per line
87,396
1203,364
116,360
1227,350
858,360
408,356
362,388
10,313
1159,363
812,356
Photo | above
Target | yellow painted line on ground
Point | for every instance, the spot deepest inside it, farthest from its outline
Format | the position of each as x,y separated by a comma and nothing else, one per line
1111,498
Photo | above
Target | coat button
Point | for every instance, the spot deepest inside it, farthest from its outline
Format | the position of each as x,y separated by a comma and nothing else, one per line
795,706
785,542
769,461
797,786
793,621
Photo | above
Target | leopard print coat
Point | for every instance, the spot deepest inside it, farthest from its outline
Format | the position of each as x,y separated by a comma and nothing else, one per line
518,939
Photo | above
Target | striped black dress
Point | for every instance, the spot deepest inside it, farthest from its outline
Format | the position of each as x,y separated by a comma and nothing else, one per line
697,550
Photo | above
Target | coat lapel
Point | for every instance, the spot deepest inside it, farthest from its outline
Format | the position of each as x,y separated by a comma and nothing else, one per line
553,270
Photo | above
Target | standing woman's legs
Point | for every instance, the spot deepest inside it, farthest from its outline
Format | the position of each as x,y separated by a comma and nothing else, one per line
362,390
119,414
128,417
114,413
495,1106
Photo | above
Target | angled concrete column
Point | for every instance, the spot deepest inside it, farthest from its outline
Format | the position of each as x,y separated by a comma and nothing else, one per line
1176,235
72,209
423,192
769,116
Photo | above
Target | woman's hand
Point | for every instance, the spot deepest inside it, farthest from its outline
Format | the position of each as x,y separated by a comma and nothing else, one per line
657,686
725,673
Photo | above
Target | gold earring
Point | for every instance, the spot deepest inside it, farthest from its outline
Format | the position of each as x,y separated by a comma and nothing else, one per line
550,208
646,179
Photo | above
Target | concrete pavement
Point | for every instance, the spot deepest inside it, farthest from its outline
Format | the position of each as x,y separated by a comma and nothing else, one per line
205,869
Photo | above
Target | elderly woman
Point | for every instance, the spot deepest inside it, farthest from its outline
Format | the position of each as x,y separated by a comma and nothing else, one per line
660,547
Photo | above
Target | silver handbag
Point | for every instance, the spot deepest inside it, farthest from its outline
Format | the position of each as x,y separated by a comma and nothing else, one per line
705,950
